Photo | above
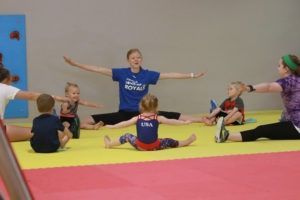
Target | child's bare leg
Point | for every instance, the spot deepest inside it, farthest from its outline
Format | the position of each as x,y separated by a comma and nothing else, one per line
109,143
235,117
18,133
194,119
91,126
63,139
188,141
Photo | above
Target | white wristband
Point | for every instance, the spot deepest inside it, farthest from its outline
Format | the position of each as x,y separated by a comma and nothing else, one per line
192,75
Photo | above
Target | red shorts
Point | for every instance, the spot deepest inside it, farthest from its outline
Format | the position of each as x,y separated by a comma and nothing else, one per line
148,147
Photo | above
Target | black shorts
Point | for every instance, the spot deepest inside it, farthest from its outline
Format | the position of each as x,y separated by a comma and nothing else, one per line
70,120
116,117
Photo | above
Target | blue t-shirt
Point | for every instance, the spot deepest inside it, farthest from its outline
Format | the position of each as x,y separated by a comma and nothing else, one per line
45,133
133,86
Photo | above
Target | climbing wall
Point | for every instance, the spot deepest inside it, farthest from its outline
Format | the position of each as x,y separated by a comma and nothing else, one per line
13,57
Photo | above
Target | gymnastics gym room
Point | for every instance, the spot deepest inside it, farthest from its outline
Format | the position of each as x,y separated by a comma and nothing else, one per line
140,99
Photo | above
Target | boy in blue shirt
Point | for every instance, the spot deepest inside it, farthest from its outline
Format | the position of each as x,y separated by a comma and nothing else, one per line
48,132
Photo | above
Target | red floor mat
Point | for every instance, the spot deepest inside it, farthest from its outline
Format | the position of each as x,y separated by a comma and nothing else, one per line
261,176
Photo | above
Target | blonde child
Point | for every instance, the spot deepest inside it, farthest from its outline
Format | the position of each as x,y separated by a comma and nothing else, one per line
232,108
147,124
68,112
49,134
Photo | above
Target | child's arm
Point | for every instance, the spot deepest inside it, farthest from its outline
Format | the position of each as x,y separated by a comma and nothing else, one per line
123,123
232,112
68,133
214,112
165,120
176,75
102,70
64,108
90,104
64,136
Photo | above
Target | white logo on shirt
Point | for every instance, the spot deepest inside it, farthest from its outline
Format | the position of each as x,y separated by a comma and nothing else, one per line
146,124
134,85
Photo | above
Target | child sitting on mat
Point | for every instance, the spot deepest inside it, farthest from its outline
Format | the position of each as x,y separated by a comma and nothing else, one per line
49,134
232,108
68,112
147,124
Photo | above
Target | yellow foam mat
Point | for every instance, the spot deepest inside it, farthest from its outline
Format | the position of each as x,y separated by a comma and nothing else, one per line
89,149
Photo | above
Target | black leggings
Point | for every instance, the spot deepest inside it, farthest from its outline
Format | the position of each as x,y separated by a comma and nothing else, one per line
276,131
116,117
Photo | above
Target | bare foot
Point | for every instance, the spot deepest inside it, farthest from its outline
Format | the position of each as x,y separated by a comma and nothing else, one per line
107,142
188,141
192,138
208,122
98,125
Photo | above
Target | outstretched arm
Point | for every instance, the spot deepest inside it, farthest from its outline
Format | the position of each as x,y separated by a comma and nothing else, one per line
34,95
176,75
165,120
102,70
263,87
27,95
123,124
90,104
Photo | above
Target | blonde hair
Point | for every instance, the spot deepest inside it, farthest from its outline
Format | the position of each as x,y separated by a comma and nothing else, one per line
68,85
149,103
131,51
238,85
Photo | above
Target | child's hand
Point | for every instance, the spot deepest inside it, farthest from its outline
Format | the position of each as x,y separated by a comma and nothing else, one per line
90,104
66,124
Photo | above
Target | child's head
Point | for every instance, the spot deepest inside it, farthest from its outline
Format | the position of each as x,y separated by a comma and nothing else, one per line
149,103
72,91
4,75
45,103
235,89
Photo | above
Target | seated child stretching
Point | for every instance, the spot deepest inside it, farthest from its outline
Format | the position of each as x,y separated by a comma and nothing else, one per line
147,129
232,108
48,132
68,112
